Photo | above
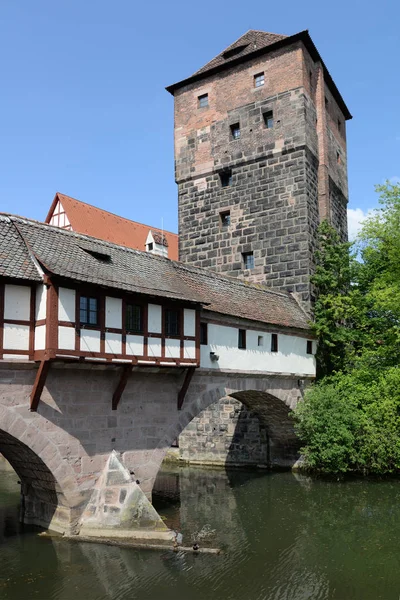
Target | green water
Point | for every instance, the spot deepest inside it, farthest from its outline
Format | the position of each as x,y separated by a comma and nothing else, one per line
284,537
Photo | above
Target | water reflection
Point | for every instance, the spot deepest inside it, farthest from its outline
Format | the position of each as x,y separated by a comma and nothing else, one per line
285,538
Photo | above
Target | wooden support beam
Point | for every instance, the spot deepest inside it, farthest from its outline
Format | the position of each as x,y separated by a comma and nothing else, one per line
185,386
39,384
125,374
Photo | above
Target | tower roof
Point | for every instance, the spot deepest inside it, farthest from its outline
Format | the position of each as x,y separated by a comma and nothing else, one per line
256,43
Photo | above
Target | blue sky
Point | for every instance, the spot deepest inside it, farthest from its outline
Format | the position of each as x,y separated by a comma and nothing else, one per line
84,110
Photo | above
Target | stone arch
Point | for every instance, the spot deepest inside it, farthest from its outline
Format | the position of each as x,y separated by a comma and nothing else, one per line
49,486
271,398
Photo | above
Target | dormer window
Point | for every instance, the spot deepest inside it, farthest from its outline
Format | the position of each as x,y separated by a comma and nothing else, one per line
150,247
234,51
156,243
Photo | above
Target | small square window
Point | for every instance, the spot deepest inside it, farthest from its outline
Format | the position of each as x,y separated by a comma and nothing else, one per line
259,80
204,334
242,339
248,260
235,131
309,347
171,322
260,340
274,342
203,101
225,218
226,178
268,119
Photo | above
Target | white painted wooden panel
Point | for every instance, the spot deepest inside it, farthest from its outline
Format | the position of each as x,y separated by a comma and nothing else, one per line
189,322
66,338
113,343
189,349
17,300
15,356
154,346
16,337
154,318
134,345
40,337
90,340
291,357
114,312
66,305
172,348
41,296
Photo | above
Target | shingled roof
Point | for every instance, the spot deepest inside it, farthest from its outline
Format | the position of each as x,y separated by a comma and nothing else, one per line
81,258
91,220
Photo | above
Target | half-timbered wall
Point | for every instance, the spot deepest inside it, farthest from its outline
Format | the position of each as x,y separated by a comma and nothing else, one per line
59,217
16,321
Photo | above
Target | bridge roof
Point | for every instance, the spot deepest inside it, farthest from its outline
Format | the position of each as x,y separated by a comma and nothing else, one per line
85,259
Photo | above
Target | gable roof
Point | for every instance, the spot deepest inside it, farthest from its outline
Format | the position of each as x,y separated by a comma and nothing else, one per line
258,43
84,259
90,220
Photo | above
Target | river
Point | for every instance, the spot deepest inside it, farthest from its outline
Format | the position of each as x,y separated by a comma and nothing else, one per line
284,537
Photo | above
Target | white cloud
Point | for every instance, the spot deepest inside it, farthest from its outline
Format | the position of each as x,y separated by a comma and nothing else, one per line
355,216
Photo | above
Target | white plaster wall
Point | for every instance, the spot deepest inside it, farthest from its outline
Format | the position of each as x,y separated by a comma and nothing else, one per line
291,357
154,318
41,296
134,345
189,322
66,338
90,340
66,304
15,356
17,299
16,337
114,312
172,348
40,337
189,349
113,343
154,347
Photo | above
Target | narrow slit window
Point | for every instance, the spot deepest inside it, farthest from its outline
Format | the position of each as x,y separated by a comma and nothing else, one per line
171,322
274,342
88,310
226,178
203,101
225,219
235,131
259,80
260,340
268,119
339,125
248,260
338,159
134,318
309,347
242,339
204,334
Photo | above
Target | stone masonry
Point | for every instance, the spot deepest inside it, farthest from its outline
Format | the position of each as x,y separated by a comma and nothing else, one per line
61,451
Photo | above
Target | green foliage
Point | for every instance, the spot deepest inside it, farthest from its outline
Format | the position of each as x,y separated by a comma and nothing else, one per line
349,421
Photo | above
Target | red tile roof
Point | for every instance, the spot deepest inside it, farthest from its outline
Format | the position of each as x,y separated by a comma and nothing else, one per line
99,223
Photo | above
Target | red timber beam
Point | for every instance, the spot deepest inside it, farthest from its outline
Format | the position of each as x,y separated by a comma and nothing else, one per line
39,384
125,374
185,386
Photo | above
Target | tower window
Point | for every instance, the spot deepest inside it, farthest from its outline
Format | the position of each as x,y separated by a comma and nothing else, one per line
274,342
226,178
260,340
248,260
242,339
339,125
326,102
203,101
309,347
268,119
88,310
310,75
338,159
171,322
204,334
258,80
225,218
134,318
235,131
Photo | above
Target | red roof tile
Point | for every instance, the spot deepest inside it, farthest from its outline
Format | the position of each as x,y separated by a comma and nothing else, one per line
99,223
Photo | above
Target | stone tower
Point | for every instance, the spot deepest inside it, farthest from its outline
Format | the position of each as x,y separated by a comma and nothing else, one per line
260,160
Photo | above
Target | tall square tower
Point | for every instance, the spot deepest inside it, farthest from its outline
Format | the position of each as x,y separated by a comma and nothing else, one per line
260,160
